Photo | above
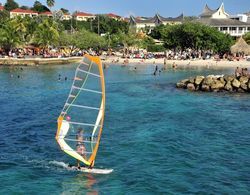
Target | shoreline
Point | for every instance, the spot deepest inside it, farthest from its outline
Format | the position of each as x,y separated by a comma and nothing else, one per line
38,61
210,63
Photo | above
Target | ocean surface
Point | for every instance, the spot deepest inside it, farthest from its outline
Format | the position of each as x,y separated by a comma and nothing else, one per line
158,139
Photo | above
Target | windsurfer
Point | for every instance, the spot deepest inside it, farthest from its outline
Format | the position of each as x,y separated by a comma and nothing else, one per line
80,148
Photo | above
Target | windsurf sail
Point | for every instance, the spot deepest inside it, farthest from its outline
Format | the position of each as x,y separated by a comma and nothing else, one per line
80,123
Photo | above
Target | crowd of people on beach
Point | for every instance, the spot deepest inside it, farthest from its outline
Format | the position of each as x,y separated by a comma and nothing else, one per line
187,54
44,53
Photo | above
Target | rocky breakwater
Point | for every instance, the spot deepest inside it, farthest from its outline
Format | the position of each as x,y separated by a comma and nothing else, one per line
216,83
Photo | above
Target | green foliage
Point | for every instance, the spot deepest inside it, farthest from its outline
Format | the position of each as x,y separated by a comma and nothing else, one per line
194,36
10,5
24,7
50,3
46,33
82,39
4,16
65,11
108,25
247,37
10,35
39,7
156,48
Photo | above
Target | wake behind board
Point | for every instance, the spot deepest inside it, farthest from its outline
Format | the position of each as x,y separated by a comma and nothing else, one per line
94,171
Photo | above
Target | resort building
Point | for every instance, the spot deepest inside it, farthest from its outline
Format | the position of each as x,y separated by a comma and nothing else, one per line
114,16
82,16
46,14
1,8
236,25
66,16
22,13
142,24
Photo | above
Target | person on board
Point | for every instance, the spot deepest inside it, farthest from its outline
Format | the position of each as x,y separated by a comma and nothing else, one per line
80,148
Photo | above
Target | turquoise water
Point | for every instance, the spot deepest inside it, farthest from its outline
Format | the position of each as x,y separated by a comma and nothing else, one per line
158,139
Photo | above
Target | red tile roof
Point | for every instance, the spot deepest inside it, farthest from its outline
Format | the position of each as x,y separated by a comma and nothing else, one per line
113,15
48,13
19,10
1,8
83,14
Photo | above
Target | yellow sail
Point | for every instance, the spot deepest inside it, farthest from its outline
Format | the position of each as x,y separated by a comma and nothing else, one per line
80,123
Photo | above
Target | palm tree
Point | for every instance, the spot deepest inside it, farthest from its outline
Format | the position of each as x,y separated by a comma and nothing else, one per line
46,34
10,37
50,3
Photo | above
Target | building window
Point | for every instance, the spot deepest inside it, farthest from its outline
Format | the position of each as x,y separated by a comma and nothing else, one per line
232,28
248,28
223,28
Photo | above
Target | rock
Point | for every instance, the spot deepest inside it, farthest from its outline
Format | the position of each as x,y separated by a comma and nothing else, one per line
221,79
249,85
205,87
240,90
191,80
243,79
236,83
185,81
198,80
181,85
191,87
217,85
229,78
228,86
208,81
243,86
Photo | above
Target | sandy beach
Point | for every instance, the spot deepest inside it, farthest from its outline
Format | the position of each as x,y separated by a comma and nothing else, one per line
210,63
205,63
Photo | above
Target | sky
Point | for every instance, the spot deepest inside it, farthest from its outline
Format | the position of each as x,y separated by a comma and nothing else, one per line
165,8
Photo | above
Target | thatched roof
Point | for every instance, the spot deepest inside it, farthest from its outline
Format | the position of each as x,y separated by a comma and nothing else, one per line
241,46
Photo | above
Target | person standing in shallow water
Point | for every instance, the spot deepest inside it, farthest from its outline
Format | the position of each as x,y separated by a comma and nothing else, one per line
156,69
80,148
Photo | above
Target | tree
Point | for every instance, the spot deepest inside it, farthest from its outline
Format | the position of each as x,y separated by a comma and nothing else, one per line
192,35
39,7
10,36
24,7
247,37
46,33
50,3
108,25
4,16
10,5
65,11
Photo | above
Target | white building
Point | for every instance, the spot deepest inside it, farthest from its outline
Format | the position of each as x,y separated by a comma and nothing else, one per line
22,13
46,14
141,24
82,16
66,17
236,26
